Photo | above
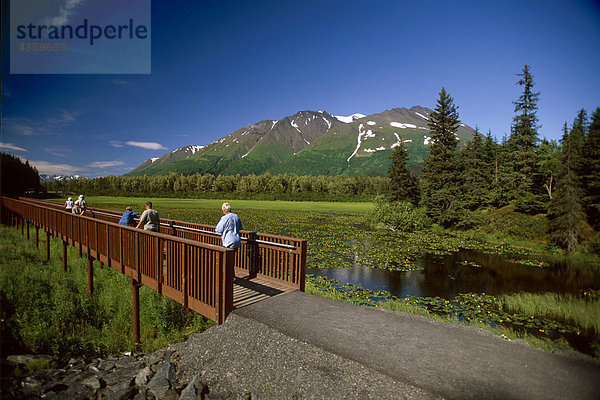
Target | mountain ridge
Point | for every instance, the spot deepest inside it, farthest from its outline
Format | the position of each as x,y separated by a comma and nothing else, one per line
308,143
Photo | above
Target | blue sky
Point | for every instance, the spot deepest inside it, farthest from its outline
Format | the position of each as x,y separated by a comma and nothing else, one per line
217,66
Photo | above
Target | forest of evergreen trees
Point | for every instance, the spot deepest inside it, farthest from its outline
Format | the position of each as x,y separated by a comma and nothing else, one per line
17,176
267,186
537,176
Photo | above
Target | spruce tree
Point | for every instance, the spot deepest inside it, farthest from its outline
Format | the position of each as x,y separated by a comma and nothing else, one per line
578,137
476,174
591,171
566,212
441,179
404,185
523,183
549,164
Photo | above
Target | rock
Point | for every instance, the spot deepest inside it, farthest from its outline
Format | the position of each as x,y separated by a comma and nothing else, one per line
161,382
220,396
106,365
143,377
194,389
93,382
171,394
122,393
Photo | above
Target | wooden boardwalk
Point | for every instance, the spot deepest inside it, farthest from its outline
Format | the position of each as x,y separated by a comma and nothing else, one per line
249,290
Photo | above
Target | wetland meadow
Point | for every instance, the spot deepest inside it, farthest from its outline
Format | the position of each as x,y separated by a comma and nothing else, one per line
515,291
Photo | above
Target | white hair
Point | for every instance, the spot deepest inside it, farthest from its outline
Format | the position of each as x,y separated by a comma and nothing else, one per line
226,207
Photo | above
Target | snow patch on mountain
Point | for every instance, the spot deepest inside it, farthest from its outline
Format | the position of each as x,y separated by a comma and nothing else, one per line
427,140
328,122
402,125
349,118
361,134
293,123
422,116
371,123
154,159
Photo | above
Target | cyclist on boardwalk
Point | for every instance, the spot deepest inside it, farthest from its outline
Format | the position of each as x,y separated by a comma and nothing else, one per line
229,227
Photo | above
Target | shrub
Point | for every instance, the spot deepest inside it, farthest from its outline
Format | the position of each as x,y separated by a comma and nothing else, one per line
402,216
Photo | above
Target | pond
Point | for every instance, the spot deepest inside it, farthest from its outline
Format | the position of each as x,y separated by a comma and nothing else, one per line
467,271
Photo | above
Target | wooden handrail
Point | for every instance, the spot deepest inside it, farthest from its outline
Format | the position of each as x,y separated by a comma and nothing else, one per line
152,259
278,258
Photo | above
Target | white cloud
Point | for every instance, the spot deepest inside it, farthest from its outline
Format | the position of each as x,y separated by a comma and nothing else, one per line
116,143
59,151
21,126
106,164
45,167
146,145
10,146
29,127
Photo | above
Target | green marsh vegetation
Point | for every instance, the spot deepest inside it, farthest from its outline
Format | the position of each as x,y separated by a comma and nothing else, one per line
46,312
339,239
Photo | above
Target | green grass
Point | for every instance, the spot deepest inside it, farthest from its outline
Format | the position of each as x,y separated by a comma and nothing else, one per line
582,311
47,312
318,206
355,294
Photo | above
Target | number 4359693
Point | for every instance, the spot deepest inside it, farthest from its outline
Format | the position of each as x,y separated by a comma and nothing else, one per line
42,46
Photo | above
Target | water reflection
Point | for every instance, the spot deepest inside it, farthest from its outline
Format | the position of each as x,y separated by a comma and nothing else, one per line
444,276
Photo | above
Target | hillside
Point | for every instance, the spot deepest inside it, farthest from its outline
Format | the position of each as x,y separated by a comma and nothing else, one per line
308,143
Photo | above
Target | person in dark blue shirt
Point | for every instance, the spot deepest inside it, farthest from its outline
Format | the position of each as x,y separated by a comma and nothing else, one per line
127,217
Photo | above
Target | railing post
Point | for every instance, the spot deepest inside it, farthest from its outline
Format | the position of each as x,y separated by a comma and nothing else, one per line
28,230
22,225
47,247
302,269
64,255
90,263
135,290
225,285
37,237
254,256
184,277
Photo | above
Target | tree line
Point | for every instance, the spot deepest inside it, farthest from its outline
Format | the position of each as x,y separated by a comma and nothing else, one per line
267,186
537,176
17,176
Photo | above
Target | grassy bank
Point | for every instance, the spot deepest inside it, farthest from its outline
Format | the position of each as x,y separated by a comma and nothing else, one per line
46,312
580,311
529,321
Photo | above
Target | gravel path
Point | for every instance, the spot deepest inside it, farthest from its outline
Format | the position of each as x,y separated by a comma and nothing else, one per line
244,356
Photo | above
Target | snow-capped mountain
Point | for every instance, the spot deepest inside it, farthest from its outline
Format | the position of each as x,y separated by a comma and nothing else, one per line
308,143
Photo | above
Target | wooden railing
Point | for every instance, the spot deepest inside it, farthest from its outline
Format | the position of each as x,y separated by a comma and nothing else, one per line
278,258
183,261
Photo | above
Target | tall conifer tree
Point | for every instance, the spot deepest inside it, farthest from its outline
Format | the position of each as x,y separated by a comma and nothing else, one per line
404,185
477,173
524,184
566,212
441,178
591,171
